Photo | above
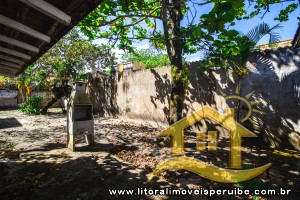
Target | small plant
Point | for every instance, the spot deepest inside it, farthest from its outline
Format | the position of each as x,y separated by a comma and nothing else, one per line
22,107
6,146
32,106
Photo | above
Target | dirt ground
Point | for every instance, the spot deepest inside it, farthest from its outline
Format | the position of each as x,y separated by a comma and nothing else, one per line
35,163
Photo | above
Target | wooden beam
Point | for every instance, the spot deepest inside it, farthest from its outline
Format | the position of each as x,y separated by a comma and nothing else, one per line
24,29
14,60
49,10
3,68
15,53
14,42
5,73
10,73
9,64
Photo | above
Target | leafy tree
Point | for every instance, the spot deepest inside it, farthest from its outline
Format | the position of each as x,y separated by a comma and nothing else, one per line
175,26
7,83
67,60
262,7
150,57
247,45
75,54
24,82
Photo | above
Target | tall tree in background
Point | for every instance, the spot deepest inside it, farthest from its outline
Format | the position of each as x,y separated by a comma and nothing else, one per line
178,28
73,56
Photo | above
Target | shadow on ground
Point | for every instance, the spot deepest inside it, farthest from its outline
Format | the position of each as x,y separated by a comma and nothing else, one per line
40,167
9,123
61,176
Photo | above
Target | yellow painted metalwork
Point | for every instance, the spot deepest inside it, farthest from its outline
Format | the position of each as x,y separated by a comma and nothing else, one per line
237,131
208,171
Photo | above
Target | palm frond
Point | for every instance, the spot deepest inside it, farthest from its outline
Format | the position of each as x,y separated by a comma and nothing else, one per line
275,36
253,34
263,29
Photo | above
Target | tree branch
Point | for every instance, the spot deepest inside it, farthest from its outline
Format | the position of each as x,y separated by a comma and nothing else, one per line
164,18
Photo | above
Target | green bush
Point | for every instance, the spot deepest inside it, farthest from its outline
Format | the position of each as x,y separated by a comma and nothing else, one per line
22,107
32,106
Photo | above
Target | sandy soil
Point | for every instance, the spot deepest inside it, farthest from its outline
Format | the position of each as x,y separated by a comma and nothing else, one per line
34,163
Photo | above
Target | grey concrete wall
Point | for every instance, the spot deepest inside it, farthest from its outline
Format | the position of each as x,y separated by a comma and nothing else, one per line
274,81
47,96
8,102
102,91
10,98
144,95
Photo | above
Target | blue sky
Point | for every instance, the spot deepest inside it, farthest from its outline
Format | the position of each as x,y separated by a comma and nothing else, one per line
289,27
287,32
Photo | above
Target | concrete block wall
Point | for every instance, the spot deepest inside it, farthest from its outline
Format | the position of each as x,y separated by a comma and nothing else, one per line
11,98
8,98
144,95
274,85
8,102
47,95
102,91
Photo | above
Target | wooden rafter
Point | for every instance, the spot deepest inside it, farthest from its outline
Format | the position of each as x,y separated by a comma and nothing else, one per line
4,68
24,29
14,42
14,60
49,10
9,64
15,53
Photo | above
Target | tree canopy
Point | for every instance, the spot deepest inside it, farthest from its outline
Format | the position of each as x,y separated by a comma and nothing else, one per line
251,39
69,59
75,54
165,23
177,27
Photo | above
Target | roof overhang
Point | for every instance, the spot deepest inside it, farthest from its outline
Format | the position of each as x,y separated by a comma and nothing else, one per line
28,28
296,41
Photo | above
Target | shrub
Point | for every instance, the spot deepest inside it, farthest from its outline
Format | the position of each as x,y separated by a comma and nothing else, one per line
32,106
22,107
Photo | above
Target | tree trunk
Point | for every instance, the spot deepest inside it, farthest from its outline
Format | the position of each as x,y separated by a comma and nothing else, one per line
23,96
49,104
59,92
175,46
177,94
